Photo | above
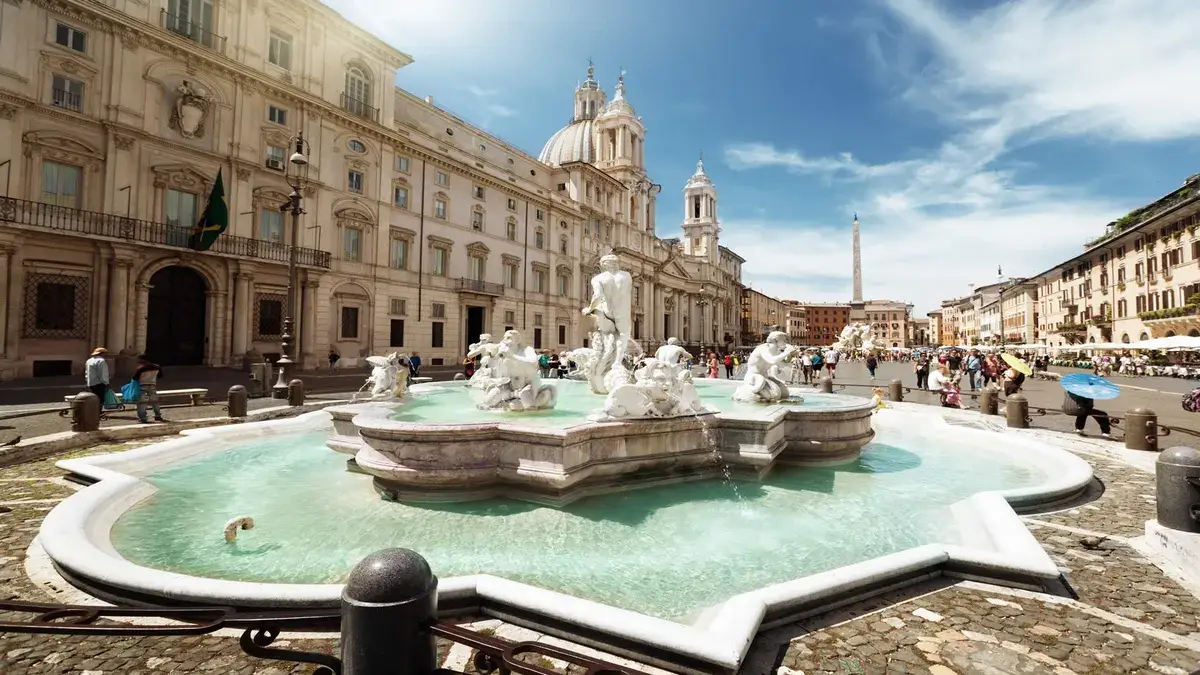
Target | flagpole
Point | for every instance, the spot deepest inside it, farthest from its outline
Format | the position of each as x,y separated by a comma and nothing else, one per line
286,363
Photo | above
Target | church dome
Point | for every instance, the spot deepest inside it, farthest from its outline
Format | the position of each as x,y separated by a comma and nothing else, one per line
572,143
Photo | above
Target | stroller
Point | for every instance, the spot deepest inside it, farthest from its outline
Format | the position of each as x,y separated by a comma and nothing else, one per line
951,395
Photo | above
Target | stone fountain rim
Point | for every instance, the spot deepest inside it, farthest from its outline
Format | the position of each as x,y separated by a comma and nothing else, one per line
75,534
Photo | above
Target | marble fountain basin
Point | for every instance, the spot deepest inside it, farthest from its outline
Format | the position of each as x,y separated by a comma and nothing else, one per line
436,446
681,575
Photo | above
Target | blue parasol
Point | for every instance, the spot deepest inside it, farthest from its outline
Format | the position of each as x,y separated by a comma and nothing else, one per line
1090,386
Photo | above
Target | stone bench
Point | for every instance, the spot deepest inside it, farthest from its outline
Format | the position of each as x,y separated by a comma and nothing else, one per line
198,395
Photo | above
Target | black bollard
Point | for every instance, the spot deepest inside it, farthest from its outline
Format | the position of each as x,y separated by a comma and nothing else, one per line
1177,496
1141,429
988,404
1016,410
387,605
896,390
85,412
295,393
826,385
237,401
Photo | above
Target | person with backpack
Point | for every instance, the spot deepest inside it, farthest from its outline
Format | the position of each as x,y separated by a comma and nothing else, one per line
921,368
818,362
728,366
872,364
1082,408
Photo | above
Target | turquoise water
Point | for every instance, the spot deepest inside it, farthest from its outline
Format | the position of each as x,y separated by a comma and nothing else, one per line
456,405
667,551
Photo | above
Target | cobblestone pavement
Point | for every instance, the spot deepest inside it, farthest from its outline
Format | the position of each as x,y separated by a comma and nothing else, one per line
1129,618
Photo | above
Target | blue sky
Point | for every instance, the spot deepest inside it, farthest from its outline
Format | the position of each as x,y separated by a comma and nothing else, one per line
966,134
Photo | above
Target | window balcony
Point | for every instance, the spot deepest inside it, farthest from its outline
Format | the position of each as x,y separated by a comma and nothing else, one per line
359,108
67,100
465,285
180,25
68,221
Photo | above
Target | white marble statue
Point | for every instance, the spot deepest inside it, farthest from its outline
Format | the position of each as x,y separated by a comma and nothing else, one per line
581,359
659,389
387,378
856,338
612,308
517,382
486,351
672,353
762,383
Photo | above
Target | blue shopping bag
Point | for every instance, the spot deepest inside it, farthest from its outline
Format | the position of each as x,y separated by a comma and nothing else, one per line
110,400
131,392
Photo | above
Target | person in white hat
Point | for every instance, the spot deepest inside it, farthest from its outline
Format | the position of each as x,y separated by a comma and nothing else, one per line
96,371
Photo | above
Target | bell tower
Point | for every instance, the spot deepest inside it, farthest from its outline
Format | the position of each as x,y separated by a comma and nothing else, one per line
701,229
589,97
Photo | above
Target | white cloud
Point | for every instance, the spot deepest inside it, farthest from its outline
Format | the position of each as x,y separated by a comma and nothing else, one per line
1018,73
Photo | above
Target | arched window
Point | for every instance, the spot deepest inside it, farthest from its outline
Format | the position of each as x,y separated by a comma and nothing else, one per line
358,91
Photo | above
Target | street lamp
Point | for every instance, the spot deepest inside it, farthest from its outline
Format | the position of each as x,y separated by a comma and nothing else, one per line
703,301
297,171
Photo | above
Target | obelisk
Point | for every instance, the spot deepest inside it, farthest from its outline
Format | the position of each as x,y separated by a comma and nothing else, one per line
858,312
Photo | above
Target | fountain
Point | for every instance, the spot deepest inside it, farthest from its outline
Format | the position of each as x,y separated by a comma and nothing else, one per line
856,337
682,570
485,350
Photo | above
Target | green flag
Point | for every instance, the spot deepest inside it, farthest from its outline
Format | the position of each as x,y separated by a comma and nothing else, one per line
213,221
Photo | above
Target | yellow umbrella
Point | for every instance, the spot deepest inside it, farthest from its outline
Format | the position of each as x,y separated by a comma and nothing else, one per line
1017,364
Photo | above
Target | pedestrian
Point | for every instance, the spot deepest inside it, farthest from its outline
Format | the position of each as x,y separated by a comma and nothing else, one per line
334,357
1013,379
974,365
806,362
728,366
96,373
553,363
921,368
1083,408
872,364
147,375
831,361
713,371
414,365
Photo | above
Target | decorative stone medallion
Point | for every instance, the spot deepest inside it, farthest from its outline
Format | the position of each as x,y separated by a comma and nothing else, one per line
190,111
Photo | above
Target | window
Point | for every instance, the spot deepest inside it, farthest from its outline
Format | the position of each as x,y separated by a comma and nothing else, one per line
401,163
349,327
537,319
67,93
192,19
354,181
537,338
438,310
539,281
277,115
477,220
439,335
351,243
439,262
270,317
538,214
270,225
61,184
510,275
397,333
539,239
358,91
398,257
70,37
54,307
512,204
181,208
279,50
482,147
442,179
562,187
356,145
439,208
275,156
562,334
562,285
511,230
476,268
400,196
399,306
478,192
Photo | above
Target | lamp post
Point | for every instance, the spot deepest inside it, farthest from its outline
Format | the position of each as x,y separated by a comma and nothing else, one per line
296,172
702,301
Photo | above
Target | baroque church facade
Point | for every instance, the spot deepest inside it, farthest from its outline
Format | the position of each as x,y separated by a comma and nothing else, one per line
420,231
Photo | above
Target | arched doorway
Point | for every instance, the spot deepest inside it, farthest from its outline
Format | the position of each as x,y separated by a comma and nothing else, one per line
176,317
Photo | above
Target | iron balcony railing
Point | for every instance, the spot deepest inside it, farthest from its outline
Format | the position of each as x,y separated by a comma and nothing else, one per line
482,287
181,25
90,223
360,108
68,100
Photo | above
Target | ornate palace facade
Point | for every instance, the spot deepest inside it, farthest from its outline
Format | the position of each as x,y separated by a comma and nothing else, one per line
420,230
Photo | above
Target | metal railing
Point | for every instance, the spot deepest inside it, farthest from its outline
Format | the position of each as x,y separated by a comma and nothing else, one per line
475,286
90,223
181,25
361,108
68,100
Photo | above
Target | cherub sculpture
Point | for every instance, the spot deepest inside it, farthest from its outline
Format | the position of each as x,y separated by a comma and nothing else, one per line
386,380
